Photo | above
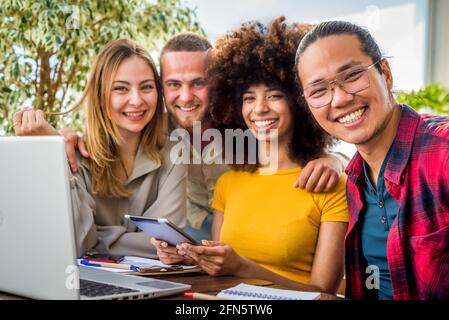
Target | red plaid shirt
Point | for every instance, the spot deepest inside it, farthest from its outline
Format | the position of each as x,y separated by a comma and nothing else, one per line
417,176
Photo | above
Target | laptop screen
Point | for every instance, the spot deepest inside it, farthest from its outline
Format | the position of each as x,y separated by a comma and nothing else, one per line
36,227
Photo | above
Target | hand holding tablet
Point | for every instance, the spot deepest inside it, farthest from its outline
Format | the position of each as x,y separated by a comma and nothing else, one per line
162,229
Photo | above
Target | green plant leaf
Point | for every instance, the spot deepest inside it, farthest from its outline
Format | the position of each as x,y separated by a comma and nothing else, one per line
430,98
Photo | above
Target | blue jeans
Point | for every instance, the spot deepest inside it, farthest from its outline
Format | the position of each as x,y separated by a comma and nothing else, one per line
202,234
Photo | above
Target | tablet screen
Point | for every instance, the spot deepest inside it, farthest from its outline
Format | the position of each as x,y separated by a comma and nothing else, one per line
161,229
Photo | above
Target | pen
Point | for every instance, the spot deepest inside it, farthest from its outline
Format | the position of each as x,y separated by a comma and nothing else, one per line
201,296
100,261
109,265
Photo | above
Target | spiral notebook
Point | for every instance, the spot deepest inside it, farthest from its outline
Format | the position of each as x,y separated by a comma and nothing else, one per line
251,292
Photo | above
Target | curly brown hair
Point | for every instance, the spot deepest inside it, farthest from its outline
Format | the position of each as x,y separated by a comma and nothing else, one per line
258,54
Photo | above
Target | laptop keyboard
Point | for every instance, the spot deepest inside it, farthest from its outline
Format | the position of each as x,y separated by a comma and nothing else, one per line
97,289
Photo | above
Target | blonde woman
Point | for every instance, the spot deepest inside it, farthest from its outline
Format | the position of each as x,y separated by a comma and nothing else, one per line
129,169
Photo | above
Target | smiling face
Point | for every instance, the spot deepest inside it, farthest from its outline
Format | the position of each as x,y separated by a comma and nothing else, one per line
267,114
185,86
133,97
355,118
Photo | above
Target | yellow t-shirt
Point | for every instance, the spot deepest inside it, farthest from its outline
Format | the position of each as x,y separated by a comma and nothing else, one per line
274,224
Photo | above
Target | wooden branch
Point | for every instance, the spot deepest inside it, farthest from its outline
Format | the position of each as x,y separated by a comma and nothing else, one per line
69,80
56,83
36,76
44,77
48,85
42,69
67,86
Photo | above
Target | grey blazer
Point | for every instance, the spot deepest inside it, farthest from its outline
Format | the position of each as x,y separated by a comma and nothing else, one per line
158,189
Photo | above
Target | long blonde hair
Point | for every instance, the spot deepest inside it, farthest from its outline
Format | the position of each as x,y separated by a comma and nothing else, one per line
102,135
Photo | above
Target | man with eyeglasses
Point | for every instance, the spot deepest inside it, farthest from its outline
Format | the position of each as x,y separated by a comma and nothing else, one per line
397,244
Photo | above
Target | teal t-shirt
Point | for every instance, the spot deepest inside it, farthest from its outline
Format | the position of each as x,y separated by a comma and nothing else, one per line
379,211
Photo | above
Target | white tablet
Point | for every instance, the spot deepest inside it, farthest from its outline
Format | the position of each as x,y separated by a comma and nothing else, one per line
162,229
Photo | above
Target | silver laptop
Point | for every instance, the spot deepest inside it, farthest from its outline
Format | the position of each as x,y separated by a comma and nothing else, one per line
37,241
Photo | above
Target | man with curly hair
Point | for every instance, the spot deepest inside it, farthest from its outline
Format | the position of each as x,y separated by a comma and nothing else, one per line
397,246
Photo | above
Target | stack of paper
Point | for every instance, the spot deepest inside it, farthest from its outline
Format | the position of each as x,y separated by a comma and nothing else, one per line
141,262
149,262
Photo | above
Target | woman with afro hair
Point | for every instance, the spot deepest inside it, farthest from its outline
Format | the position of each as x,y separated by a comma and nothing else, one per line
264,227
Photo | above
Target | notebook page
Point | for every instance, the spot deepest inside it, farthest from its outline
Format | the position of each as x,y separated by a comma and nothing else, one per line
251,292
